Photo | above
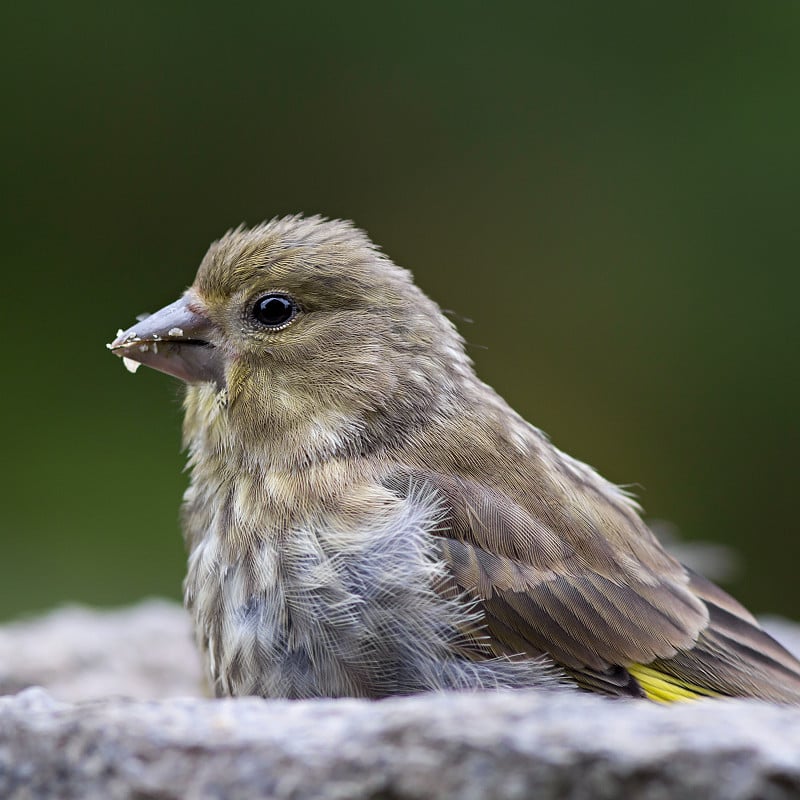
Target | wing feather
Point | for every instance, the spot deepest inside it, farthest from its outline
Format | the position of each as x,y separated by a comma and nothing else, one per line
598,608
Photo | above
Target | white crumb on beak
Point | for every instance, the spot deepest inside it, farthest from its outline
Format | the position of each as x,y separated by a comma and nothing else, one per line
119,332
130,364
175,332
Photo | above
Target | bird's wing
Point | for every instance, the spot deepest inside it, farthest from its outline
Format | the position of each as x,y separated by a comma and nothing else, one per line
603,612
733,654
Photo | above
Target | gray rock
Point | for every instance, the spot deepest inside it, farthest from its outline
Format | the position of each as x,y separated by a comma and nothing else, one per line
494,745
146,651
497,745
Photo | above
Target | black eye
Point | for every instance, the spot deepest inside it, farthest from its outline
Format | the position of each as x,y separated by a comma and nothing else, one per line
275,310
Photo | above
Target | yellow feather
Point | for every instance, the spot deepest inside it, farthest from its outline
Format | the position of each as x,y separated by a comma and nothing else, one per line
663,688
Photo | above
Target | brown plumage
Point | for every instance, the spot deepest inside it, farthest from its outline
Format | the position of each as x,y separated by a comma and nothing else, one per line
367,518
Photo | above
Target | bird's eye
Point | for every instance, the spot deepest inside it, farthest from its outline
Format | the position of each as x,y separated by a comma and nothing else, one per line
274,310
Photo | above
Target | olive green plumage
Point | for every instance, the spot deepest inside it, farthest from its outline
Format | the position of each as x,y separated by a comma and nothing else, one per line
366,517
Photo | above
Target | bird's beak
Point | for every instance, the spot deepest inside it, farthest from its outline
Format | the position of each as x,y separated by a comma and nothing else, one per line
175,340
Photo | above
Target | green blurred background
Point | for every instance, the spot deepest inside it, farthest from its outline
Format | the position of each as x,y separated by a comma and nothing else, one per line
609,191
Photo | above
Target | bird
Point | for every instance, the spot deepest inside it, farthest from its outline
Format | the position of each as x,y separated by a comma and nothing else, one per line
366,518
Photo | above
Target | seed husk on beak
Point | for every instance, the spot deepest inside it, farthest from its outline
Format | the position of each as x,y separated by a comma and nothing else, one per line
175,340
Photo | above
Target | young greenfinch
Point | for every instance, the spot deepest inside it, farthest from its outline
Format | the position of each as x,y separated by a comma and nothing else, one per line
367,518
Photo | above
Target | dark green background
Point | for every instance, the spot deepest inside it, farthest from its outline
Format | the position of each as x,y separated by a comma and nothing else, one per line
609,191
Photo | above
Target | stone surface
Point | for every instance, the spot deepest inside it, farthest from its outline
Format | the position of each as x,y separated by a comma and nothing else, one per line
440,746
146,651
74,741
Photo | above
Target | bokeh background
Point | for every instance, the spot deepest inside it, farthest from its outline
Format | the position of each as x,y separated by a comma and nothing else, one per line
610,191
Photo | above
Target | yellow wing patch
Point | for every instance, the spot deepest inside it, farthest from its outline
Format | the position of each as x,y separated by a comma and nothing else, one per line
663,688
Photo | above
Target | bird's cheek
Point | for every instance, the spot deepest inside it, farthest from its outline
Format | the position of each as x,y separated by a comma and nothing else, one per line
238,377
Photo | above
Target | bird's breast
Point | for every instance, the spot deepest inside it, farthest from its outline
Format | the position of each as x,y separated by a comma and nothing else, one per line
341,601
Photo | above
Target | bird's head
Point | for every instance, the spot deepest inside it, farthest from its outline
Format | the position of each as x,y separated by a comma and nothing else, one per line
299,333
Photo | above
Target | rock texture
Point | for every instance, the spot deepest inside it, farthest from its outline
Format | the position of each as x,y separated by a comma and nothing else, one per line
146,651
494,745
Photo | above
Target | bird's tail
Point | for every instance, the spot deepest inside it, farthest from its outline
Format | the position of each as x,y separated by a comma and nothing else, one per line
733,657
